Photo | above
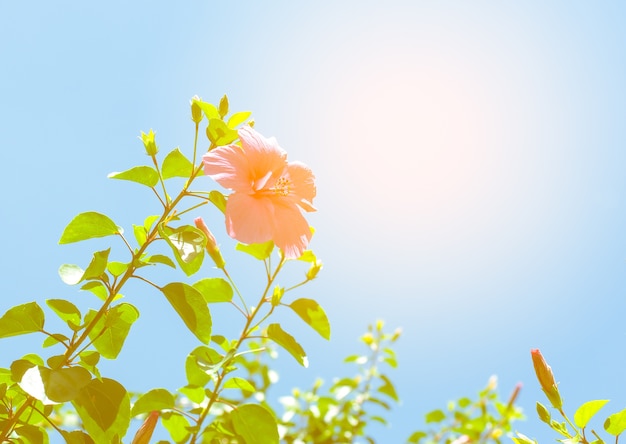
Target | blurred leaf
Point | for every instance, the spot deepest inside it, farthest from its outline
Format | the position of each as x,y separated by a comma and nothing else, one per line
71,274
21,320
176,164
176,425
218,199
416,437
285,340
255,424
388,389
435,416
214,290
239,383
191,307
156,399
104,408
188,245
616,423
238,118
30,434
194,393
144,175
111,330
313,314
87,226
587,411
98,265
258,251
219,133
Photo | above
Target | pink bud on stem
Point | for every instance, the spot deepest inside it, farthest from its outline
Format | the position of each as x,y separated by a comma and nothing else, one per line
546,379
211,244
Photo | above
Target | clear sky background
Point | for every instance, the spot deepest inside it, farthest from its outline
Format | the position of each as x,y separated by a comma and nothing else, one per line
470,161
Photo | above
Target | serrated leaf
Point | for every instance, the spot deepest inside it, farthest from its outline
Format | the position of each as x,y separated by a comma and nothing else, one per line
585,412
214,290
219,133
191,307
88,225
258,251
188,244
313,314
255,424
238,118
156,399
71,274
239,383
143,175
176,164
22,319
104,408
111,330
285,340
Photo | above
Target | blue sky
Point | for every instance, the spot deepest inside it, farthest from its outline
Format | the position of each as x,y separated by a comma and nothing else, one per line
469,160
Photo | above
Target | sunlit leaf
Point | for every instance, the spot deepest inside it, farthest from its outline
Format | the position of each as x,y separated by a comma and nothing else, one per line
76,437
259,251
71,274
117,268
238,118
53,339
313,314
585,412
156,399
191,307
239,383
104,408
255,424
435,416
64,384
177,425
219,133
616,423
176,164
144,175
111,330
218,199
214,290
188,244
223,106
30,434
160,259
387,388
209,109
98,265
285,340
21,320
87,226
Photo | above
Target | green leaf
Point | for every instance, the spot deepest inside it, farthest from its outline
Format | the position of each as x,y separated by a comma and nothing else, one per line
313,314
388,389
156,399
31,434
104,408
416,437
218,199
201,364
97,266
258,251
238,118
195,394
160,259
76,437
191,307
188,244
111,330
176,164
53,339
88,226
64,384
117,268
219,133
214,290
587,411
98,289
21,320
616,423
285,340
543,413
177,425
223,106
209,109
71,274
255,424
144,175
67,311
239,383
523,439
141,234
435,416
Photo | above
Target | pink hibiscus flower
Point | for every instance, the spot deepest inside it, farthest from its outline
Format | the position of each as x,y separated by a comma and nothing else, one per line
268,192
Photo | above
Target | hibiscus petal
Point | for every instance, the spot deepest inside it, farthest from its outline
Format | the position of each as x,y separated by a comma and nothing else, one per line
229,166
249,219
291,230
303,184
264,155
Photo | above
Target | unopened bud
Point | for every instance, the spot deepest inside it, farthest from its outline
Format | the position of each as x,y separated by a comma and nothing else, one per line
315,268
211,244
149,143
277,295
144,433
546,379
196,111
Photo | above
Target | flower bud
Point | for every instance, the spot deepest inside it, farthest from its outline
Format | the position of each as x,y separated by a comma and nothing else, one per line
144,433
313,270
546,379
211,244
149,143
196,111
